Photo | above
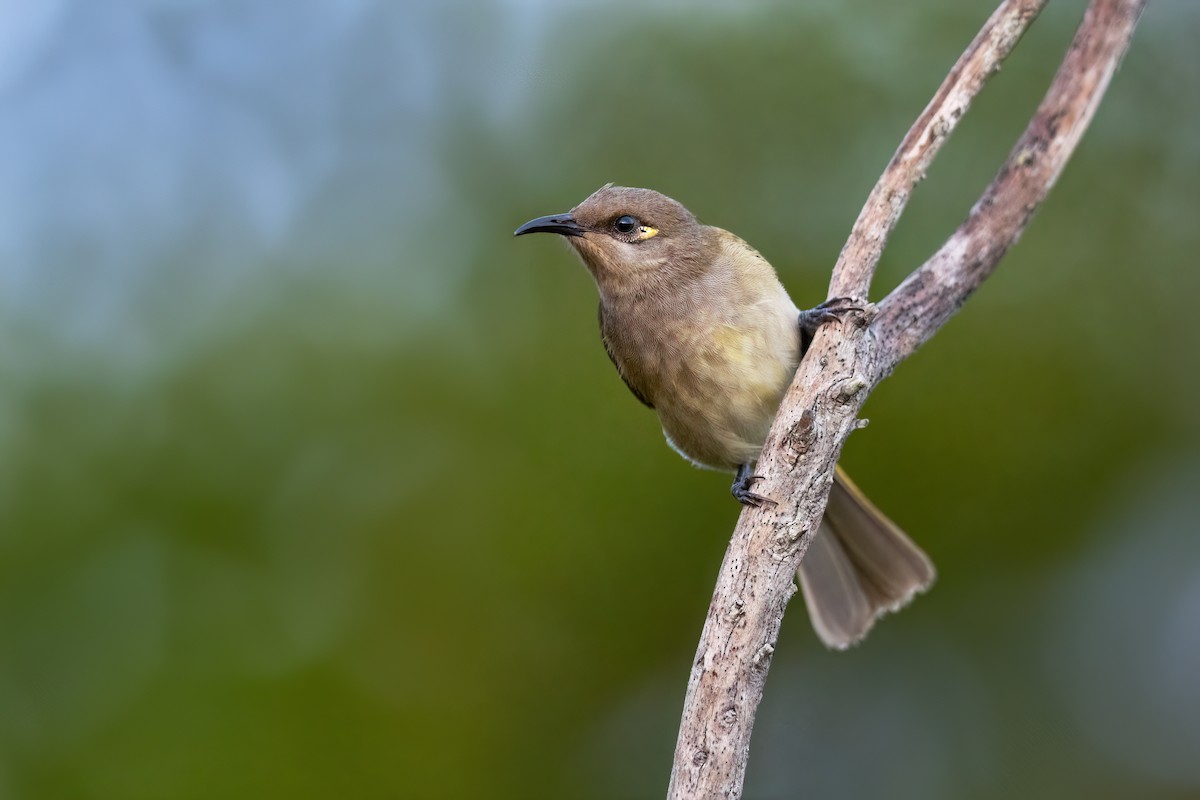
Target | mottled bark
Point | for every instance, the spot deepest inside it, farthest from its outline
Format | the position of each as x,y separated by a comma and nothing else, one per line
846,361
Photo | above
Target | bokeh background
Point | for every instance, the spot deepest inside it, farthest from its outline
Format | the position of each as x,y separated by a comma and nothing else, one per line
315,483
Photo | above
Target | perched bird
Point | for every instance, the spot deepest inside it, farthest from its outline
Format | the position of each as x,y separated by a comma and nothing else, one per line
701,330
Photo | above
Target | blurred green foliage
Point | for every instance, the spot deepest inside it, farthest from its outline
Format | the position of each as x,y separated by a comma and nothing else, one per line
380,521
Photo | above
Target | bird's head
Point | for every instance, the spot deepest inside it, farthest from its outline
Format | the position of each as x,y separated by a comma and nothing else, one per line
627,236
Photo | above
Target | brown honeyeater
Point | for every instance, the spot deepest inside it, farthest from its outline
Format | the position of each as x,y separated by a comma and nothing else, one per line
701,330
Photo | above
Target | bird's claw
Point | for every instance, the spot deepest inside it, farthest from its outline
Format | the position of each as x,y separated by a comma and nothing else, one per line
741,491
832,310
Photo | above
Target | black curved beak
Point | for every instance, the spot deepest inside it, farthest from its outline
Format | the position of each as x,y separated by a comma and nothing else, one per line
562,224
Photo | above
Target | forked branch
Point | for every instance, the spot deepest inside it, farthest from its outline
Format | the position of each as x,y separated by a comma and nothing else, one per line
844,363
981,60
912,313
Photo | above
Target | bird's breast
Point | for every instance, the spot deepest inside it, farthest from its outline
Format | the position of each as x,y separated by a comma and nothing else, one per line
715,375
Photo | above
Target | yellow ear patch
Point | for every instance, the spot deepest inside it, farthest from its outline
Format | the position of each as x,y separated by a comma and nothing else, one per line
646,232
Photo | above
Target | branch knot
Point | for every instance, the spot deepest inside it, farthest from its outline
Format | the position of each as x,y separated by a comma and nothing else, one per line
800,437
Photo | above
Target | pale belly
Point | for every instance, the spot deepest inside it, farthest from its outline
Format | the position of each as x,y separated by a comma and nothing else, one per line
726,391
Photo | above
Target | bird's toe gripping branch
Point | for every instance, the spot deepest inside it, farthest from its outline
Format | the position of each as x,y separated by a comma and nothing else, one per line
832,310
741,489
835,309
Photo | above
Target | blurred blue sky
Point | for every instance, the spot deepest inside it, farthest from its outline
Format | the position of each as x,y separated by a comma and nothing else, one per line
225,135
199,133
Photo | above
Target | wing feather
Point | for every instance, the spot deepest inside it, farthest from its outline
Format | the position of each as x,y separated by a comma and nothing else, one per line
638,393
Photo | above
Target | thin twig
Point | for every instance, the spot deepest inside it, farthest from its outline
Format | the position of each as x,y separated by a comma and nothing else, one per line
845,362
920,305
981,60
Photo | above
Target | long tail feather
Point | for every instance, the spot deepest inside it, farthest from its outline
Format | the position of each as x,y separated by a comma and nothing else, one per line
859,566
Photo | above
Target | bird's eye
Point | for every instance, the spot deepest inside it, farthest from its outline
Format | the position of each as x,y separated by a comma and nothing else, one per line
626,224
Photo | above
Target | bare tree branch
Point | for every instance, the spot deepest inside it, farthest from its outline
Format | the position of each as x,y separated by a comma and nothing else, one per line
917,308
981,60
845,362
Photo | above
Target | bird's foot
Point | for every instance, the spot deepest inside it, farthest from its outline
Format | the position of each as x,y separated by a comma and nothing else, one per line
832,310
741,489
